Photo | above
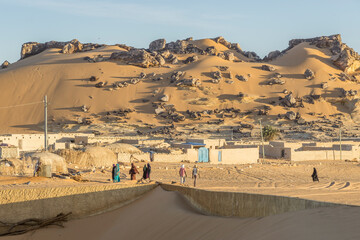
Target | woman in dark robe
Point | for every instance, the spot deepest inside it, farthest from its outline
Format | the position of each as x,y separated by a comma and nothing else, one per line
148,171
133,171
145,172
314,175
113,172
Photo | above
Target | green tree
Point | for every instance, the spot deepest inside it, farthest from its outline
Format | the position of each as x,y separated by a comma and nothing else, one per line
269,132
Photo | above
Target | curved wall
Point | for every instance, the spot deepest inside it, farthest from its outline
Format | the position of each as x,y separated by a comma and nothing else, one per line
82,201
231,204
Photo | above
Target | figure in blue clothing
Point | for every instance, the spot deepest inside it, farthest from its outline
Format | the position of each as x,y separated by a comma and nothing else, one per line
116,173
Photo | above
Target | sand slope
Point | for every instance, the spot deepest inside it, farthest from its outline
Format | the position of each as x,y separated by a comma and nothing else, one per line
165,215
64,78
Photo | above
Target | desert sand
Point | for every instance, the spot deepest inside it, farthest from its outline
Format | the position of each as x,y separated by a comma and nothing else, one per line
166,215
64,78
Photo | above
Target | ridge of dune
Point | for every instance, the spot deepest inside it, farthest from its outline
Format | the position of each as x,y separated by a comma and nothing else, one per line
165,215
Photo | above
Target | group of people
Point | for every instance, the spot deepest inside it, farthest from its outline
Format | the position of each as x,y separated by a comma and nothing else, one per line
182,172
133,171
195,174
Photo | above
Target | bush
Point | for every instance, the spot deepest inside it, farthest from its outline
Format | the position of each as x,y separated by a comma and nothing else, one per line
269,133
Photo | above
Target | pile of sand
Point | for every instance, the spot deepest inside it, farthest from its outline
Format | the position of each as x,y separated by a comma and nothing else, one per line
123,148
14,167
90,157
58,163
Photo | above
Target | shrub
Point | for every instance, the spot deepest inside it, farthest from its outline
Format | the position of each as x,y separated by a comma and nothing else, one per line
269,133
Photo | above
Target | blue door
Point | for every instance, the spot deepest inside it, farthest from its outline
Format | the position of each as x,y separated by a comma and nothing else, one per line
219,156
203,154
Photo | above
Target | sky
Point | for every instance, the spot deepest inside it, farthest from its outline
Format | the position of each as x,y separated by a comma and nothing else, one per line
257,25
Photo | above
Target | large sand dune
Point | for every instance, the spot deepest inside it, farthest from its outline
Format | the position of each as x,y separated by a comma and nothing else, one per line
64,78
166,215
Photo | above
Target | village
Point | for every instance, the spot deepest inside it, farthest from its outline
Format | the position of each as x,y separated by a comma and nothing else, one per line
107,150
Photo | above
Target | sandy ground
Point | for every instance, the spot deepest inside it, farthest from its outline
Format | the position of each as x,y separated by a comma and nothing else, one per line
165,215
339,181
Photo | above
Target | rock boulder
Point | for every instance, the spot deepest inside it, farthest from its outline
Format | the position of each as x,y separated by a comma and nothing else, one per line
136,57
157,45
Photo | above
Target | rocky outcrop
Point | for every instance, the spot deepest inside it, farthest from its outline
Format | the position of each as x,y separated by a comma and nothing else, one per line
229,56
136,57
290,115
157,45
268,68
241,78
272,55
32,48
178,47
191,59
164,98
347,60
73,46
252,56
289,100
309,74
344,57
5,64
192,82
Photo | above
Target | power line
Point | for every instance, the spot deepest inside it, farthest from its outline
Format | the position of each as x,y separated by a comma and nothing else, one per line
20,105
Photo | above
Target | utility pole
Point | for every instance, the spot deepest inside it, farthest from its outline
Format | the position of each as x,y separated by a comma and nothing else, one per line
45,123
262,141
340,145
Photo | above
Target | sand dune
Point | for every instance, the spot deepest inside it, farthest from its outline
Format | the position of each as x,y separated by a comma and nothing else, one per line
166,215
64,78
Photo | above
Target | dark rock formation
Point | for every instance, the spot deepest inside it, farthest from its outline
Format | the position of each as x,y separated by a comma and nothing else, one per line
191,59
137,57
289,100
309,74
290,115
5,64
268,68
241,78
32,48
343,56
157,45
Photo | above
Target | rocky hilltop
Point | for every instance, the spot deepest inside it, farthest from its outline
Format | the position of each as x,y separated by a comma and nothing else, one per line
310,87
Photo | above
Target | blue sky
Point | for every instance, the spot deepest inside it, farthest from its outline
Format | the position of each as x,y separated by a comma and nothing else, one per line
261,26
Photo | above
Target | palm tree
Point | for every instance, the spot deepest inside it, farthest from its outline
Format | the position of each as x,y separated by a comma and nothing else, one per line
269,133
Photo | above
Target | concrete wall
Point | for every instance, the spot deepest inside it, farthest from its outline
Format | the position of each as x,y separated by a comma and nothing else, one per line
238,204
19,204
158,157
234,156
35,142
323,155
276,152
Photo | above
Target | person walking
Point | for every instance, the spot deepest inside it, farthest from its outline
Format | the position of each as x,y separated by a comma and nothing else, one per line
195,174
144,172
148,171
315,176
133,171
182,173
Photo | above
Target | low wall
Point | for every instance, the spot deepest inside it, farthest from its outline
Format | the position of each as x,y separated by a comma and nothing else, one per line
231,204
82,201
323,155
158,157
234,155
